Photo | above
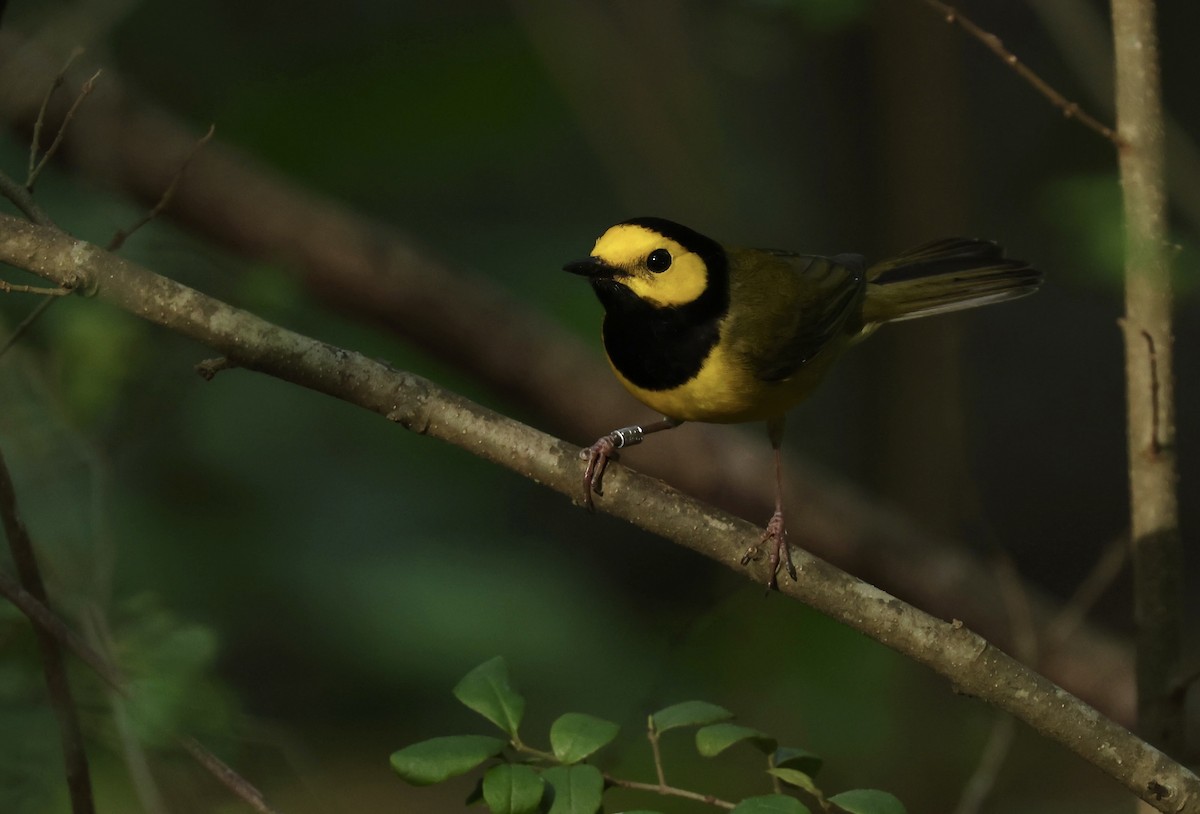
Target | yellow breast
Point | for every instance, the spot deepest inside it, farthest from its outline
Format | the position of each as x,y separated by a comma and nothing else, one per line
725,391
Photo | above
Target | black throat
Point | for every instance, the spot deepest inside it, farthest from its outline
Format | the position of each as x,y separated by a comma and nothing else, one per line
661,348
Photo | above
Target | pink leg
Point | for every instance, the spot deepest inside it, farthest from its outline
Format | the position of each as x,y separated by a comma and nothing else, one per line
776,532
775,535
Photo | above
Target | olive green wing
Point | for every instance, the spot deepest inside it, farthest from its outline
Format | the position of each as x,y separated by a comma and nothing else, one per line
789,307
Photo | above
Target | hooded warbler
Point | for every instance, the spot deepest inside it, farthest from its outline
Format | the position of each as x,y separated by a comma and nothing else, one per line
702,332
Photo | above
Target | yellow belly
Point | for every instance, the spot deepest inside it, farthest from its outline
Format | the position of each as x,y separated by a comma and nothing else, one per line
725,391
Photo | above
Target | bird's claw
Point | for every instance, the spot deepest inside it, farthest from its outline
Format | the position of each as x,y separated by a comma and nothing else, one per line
597,456
780,551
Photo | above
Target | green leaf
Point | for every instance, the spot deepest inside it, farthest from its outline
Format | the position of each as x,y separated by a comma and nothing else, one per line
689,713
771,804
715,739
797,778
438,759
789,757
487,691
868,801
577,789
574,736
512,789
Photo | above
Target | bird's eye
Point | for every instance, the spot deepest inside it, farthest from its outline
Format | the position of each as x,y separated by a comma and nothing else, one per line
659,260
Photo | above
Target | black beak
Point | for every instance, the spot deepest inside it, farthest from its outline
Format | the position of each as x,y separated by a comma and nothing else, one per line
592,267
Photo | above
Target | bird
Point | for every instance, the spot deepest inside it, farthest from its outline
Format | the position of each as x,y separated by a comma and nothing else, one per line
701,332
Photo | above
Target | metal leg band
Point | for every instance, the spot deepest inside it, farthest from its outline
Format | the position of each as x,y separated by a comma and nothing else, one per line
627,436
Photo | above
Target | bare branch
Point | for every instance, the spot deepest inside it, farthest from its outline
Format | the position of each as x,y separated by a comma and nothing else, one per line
1079,30
991,761
227,776
79,782
1070,110
13,288
35,144
118,240
84,92
974,666
1105,571
1003,733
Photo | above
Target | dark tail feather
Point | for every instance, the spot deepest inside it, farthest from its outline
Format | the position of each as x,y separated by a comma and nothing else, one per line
946,275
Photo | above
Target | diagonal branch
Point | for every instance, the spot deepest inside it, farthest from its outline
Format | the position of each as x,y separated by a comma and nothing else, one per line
1070,110
353,263
79,781
36,170
973,665
35,143
118,240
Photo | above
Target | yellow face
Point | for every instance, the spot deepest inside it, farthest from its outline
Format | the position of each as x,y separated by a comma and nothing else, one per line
657,269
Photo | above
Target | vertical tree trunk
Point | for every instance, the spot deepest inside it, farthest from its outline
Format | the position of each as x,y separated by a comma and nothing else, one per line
1154,518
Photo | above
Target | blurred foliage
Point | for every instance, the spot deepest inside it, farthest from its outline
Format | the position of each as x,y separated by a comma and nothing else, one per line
1086,209
296,583
169,664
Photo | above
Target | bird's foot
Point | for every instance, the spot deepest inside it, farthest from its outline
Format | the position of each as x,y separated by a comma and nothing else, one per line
597,456
775,536
605,449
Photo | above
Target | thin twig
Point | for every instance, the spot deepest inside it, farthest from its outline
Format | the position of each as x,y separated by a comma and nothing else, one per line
79,782
118,240
27,323
1070,110
660,787
991,761
35,143
652,736
668,791
84,92
227,776
1107,568
1016,604
1000,740
14,288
